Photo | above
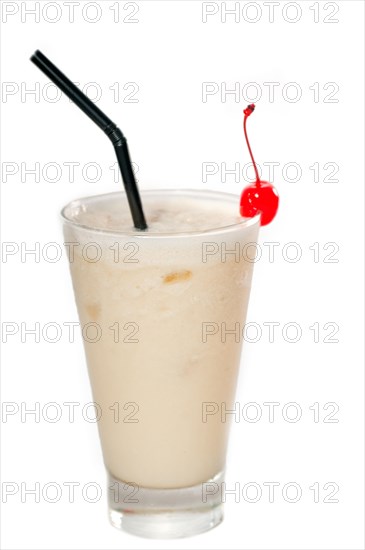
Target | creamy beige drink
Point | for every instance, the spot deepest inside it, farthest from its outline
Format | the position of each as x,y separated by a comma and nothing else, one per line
157,308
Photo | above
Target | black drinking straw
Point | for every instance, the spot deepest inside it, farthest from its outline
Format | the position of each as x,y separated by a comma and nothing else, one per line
111,130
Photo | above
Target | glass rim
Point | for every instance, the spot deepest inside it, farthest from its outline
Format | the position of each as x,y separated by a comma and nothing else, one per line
139,234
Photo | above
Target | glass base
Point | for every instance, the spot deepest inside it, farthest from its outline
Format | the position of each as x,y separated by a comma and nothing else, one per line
165,513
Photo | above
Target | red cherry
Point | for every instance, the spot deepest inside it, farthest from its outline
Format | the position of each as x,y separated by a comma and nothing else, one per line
261,196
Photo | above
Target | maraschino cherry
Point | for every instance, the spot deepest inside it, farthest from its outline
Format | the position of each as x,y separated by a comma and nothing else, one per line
261,196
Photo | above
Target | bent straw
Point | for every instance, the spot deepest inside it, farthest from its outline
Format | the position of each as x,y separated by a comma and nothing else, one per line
108,126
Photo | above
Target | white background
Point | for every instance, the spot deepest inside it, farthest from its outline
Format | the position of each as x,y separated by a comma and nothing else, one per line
169,52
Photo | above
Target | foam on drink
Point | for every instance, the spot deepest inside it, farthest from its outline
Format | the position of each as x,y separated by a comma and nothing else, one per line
166,215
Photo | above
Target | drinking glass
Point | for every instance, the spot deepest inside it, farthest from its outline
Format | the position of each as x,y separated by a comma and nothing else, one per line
162,316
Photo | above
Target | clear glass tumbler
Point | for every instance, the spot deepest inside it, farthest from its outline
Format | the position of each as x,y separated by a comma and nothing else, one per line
162,316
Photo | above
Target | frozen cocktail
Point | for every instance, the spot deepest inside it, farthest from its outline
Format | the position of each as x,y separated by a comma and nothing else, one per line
149,303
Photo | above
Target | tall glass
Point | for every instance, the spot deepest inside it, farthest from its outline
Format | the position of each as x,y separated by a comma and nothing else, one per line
162,316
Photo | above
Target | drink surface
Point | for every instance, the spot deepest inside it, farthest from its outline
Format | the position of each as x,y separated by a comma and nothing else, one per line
168,334
169,214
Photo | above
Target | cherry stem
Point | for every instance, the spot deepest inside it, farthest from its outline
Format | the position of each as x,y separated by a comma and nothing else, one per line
249,149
